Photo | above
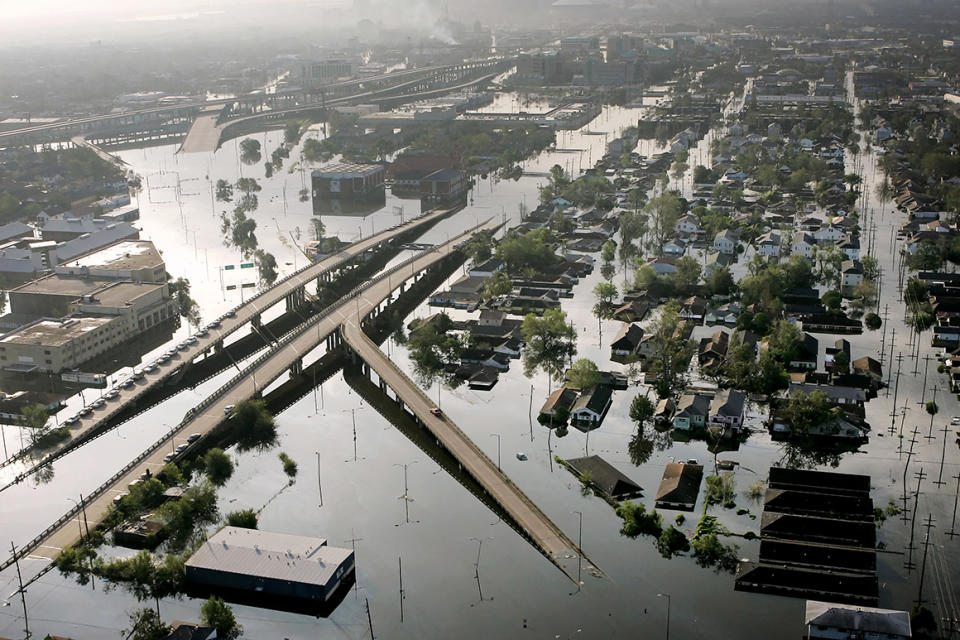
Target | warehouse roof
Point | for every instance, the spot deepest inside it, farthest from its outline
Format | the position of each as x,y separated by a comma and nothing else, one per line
126,255
54,333
277,556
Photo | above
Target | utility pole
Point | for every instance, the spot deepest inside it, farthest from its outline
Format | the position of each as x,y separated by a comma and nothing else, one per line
923,563
400,566
319,481
906,466
913,521
369,619
21,591
883,339
953,522
896,390
943,454
923,389
893,339
930,431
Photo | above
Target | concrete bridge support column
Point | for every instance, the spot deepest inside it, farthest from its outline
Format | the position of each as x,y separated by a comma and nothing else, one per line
255,321
296,368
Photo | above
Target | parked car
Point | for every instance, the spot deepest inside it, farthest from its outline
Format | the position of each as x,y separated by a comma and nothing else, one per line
98,403
436,411
193,437
229,409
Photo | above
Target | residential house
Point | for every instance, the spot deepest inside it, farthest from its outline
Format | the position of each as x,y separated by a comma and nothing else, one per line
724,314
726,409
807,354
713,351
851,247
591,406
867,366
486,269
675,247
631,311
188,631
679,486
693,308
688,225
803,245
768,245
692,411
627,342
851,276
491,318
605,477
559,403
725,241
829,234
664,265
829,621
847,396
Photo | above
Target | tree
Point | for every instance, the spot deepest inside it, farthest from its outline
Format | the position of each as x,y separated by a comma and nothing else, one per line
832,300
608,252
807,410
641,410
872,321
224,191
245,519
480,247
549,343
267,266
603,309
841,363
784,342
432,347
253,425
583,374
529,250
186,306
34,417
289,465
216,613
671,352
499,284
664,212
218,466
720,282
145,624
671,542
688,273
317,229
250,151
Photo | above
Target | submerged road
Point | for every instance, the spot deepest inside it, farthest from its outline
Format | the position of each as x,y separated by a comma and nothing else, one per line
546,535
230,323
249,383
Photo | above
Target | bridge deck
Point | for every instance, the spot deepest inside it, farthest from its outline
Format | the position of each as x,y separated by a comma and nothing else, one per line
210,413
204,135
244,313
545,534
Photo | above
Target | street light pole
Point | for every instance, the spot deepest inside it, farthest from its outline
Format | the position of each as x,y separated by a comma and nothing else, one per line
319,482
667,596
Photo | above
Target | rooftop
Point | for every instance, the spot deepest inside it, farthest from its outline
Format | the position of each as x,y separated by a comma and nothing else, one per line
348,169
60,285
864,620
54,333
123,255
269,555
122,293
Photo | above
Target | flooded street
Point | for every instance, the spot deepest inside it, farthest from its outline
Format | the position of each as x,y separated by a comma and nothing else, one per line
519,592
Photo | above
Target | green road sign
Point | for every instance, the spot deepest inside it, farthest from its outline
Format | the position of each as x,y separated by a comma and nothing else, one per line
246,265
229,267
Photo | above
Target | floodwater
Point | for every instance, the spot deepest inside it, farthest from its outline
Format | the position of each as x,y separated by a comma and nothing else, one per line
519,592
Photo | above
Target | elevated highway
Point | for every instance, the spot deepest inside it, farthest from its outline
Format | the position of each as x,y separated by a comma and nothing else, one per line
65,130
291,290
286,355
541,531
